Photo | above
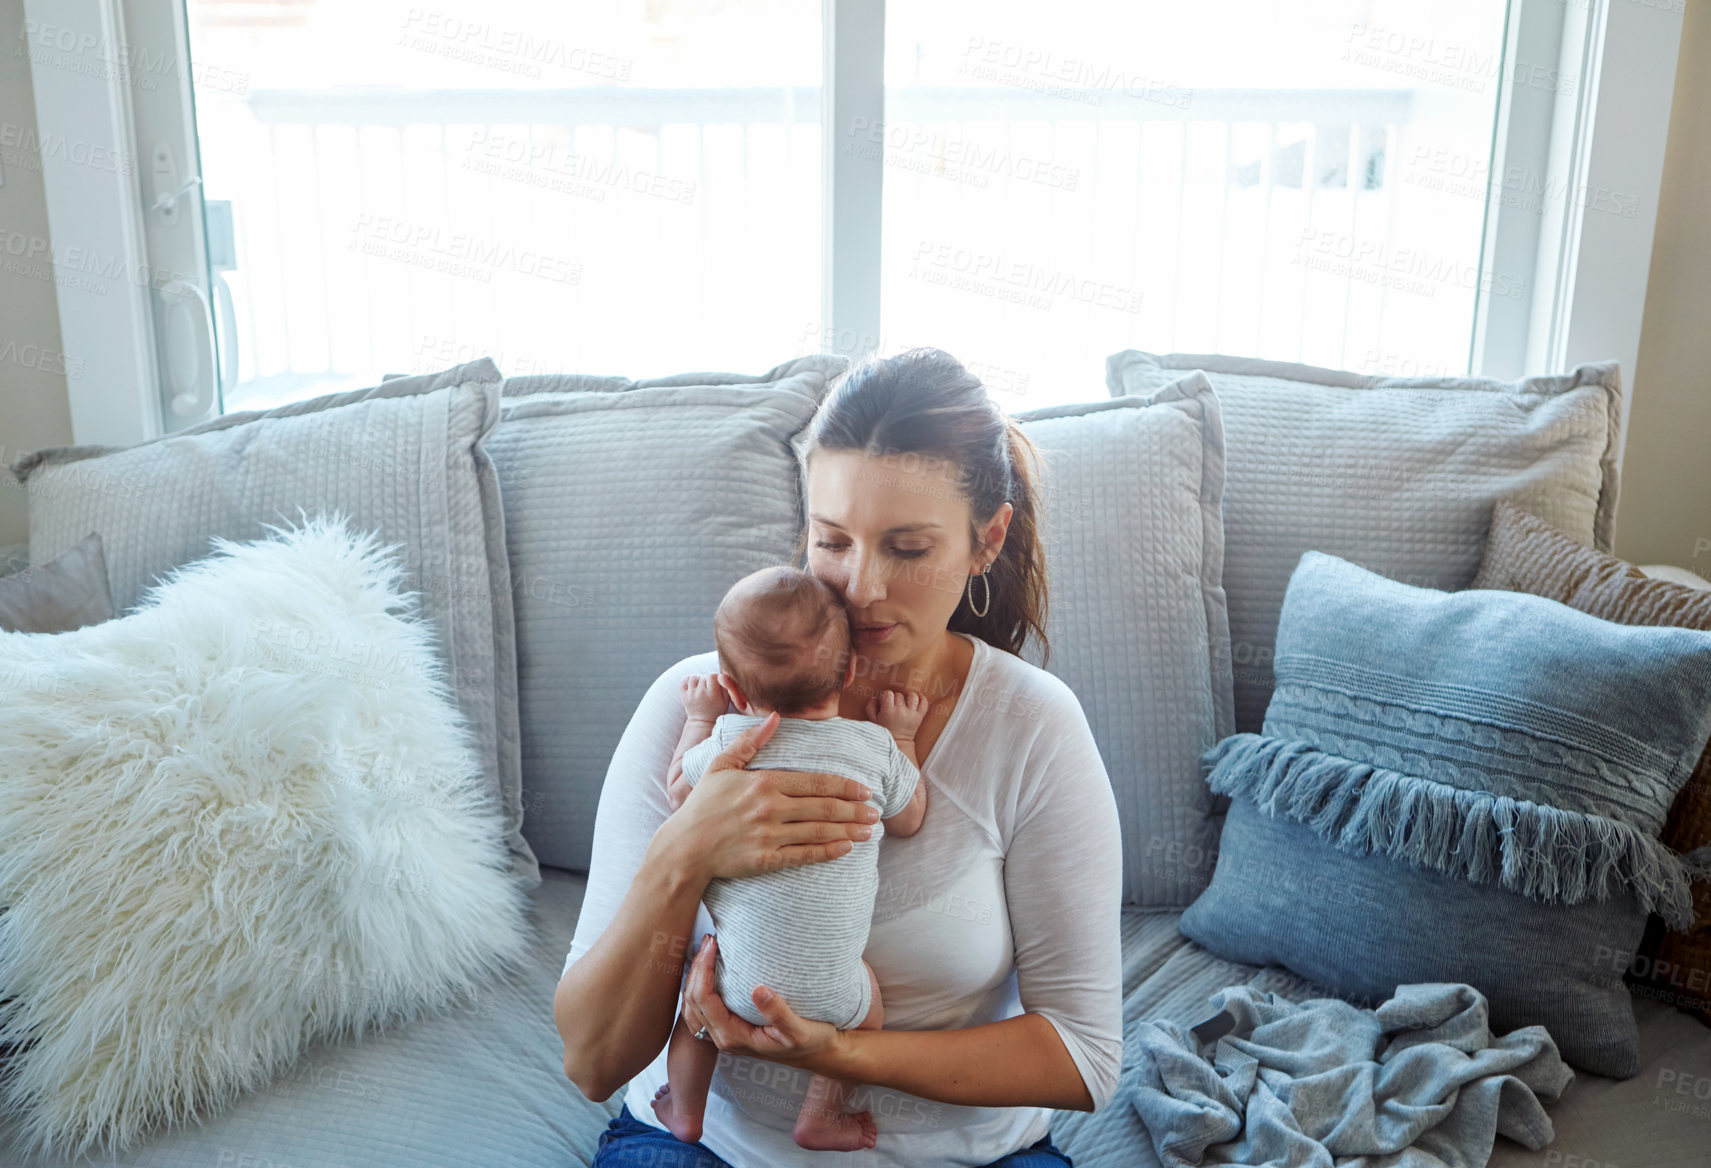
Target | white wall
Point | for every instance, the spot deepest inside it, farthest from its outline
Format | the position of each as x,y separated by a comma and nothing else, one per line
1664,511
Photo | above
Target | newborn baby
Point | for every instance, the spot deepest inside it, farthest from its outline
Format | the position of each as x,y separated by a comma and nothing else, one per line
783,638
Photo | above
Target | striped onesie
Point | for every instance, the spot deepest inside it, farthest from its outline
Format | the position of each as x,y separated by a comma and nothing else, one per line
801,931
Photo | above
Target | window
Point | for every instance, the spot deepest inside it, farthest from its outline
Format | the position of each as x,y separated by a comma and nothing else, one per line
413,186
337,189
1301,182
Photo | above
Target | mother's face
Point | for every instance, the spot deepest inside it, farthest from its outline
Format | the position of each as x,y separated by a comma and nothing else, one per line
891,533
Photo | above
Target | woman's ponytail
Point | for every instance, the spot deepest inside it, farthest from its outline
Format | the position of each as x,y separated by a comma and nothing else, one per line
1017,577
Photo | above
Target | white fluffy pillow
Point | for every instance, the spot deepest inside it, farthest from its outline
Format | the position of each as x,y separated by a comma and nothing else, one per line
242,819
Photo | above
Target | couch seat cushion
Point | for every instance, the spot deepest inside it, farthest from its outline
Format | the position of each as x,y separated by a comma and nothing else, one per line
480,1086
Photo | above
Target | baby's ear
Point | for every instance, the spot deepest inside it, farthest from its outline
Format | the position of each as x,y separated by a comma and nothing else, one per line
733,691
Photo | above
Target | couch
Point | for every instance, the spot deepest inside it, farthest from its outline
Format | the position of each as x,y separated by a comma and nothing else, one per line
484,1085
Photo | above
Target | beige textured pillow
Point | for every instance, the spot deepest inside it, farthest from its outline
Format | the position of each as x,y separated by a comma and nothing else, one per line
1525,554
67,592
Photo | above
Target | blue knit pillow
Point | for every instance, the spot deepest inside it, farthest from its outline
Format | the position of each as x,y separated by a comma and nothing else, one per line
1481,776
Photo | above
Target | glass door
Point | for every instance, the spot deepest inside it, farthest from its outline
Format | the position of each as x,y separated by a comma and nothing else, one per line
1299,180
624,187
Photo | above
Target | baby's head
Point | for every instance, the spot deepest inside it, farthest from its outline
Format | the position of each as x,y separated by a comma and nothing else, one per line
784,637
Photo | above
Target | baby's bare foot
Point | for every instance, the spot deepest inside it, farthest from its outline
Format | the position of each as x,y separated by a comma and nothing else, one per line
819,1131
685,1127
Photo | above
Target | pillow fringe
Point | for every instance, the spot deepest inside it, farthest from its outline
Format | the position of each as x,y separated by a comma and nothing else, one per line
1542,852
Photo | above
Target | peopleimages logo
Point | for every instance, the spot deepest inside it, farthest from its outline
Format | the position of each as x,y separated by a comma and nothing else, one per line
24,147
86,269
40,358
455,253
1084,81
910,146
1456,173
1016,281
511,50
1403,269
75,50
545,165
1455,66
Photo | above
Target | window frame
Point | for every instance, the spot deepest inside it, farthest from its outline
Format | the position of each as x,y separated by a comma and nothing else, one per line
1600,139
1584,301
95,215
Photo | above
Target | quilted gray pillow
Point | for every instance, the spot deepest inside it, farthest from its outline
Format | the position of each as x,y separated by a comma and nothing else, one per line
1134,544
1396,474
630,508
405,459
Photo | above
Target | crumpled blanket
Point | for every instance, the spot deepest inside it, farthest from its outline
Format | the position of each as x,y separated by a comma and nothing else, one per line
1420,1082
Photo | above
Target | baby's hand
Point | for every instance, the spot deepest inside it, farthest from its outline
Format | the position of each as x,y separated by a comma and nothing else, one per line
900,713
703,696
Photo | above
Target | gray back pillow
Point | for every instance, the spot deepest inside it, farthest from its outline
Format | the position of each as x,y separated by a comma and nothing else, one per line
67,592
1397,474
630,509
1134,544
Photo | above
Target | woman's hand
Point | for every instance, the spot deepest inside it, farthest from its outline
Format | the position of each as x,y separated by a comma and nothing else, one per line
738,822
786,1038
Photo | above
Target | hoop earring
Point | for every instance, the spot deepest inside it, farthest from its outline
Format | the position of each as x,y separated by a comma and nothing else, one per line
987,603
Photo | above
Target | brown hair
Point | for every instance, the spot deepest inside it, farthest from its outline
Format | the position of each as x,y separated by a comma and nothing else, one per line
925,402
784,634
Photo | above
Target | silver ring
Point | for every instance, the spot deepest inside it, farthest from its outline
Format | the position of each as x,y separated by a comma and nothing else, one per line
701,1034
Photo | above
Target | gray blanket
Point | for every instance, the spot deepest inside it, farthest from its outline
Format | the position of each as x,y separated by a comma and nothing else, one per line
1418,1083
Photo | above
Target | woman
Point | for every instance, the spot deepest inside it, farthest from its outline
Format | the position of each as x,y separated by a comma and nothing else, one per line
995,936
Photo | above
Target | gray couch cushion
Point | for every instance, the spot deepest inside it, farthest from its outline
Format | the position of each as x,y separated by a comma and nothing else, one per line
1134,544
484,1084
630,508
478,1086
1396,474
67,592
405,459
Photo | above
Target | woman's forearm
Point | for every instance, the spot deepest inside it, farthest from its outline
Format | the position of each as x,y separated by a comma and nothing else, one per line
615,1006
1017,1062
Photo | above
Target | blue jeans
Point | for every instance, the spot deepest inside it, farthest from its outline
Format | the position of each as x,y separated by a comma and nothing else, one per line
627,1142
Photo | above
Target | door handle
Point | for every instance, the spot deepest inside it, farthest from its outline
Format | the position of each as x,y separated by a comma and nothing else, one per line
187,389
